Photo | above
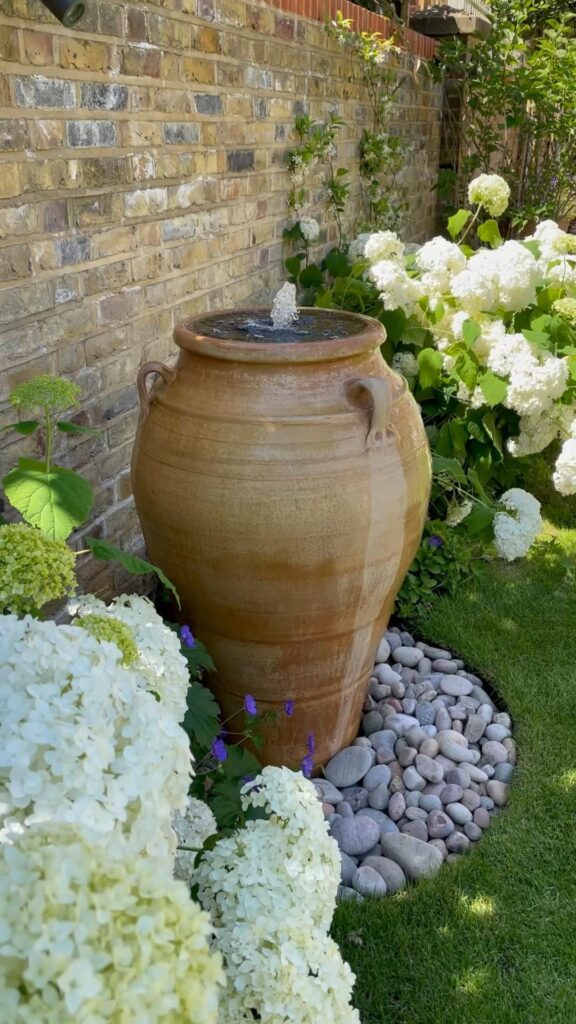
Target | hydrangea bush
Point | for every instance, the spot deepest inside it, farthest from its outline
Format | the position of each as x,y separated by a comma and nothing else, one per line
271,890
484,331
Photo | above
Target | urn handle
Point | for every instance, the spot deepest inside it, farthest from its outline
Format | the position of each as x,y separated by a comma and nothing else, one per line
379,394
143,394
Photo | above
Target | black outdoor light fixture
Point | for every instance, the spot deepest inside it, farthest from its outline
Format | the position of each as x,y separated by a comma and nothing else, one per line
68,12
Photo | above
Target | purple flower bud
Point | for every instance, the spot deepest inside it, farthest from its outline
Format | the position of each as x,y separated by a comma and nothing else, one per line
250,705
187,637
435,541
311,743
307,765
218,749
289,707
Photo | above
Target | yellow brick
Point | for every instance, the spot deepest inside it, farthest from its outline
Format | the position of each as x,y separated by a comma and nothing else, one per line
196,70
85,55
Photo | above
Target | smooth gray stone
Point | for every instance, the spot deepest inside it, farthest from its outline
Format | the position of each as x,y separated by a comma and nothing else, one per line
383,738
345,892
344,809
425,665
498,791
503,772
393,639
409,706
494,752
430,747
386,675
470,799
347,868
451,793
416,814
486,711
482,696
348,766
396,806
378,690
430,730
416,858
413,779
488,770
356,835
475,773
429,769
415,828
458,713
415,736
487,802
439,824
443,720
406,756
497,732
368,882
456,686
445,666
390,871
407,638
398,689
362,741
440,845
503,718
383,651
429,802
326,791
459,813
407,656
475,727
425,713
384,755
379,797
433,788
400,723
356,796
434,652
456,752
372,722
473,831
510,746
376,851
379,775
412,798
481,817
457,842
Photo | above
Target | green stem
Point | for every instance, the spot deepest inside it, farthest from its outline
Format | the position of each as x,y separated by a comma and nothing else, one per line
48,422
470,223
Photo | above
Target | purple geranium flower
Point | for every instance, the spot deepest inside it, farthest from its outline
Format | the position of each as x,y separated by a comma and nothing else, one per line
289,707
218,749
435,541
306,765
311,743
250,705
187,637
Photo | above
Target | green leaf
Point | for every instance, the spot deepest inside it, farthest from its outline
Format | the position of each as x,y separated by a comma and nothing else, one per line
457,222
292,265
138,566
336,263
75,428
532,245
429,367
493,388
55,502
324,299
416,336
470,332
458,436
493,431
540,338
311,277
202,718
548,296
394,321
490,232
225,794
467,369
479,518
442,466
23,426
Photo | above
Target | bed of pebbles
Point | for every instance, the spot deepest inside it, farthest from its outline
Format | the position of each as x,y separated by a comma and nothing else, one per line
430,768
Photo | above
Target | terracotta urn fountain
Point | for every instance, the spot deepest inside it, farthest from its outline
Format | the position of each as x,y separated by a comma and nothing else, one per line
282,479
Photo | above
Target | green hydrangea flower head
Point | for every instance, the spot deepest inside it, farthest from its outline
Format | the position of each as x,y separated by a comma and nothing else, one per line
33,569
105,627
566,308
52,392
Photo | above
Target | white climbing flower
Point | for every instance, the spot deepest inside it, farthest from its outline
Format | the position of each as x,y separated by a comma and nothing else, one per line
309,229
383,245
516,528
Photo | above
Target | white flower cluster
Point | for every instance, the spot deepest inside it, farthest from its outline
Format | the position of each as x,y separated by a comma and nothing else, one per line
491,191
356,247
505,278
81,741
271,888
192,830
86,938
161,664
557,254
383,245
439,261
309,229
397,289
516,529
565,471
284,308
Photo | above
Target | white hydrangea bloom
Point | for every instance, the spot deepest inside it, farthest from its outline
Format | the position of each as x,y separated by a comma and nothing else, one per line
87,938
508,351
535,385
491,332
309,229
161,663
82,742
271,888
384,245
562,272
492,191
516,529
406,364
457,512
356,247
553,241
476,287
192,830
439,261
537,432
397,289
565,470
505,278
463,392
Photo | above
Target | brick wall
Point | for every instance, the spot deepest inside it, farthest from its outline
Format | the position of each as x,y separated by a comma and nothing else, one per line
142,179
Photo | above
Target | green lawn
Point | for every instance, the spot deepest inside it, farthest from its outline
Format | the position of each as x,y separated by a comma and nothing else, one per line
492,940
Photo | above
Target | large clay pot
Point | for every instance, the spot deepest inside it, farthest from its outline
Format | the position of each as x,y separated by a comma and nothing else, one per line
283,488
